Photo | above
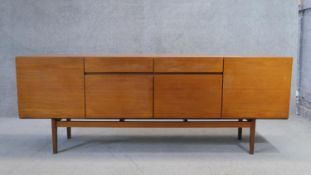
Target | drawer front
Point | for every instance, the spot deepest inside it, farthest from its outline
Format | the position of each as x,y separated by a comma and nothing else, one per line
50,87
187,96
256,87
119,96
187,64
118,64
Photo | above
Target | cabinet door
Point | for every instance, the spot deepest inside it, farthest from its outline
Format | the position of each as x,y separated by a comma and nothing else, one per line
187,96
119,96
256,87
50,87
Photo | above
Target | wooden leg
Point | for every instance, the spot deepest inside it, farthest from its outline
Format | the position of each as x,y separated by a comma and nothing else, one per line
68,130
252,131
240,131
54,135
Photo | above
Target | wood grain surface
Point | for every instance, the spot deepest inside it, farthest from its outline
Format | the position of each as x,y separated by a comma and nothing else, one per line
50,87
119,96
188,64
187,96
118,64
256,87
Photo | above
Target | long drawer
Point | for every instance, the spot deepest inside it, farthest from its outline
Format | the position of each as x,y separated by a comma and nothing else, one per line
188,64
118,64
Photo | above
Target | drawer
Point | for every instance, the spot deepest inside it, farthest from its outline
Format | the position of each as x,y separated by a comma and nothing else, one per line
188,64
118,64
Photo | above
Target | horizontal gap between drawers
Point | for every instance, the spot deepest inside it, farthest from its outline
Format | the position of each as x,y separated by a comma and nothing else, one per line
150,73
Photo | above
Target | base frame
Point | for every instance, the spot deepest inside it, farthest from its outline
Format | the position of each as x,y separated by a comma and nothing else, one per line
123,123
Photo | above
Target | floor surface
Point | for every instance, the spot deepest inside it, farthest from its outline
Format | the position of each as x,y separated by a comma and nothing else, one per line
282,147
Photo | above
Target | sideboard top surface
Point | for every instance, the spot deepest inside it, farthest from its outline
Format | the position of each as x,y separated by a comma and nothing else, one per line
152,56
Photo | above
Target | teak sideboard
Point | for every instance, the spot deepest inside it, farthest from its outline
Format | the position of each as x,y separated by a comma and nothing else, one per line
153,91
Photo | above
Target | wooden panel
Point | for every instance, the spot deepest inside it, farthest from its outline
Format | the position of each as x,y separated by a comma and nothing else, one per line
256,87
188,64
118,64
50,87
119,96
187,96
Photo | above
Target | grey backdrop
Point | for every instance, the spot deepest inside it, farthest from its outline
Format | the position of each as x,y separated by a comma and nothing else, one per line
305,62
221,27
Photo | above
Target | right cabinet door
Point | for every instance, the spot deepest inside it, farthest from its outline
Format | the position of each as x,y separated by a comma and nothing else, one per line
256,87
187,95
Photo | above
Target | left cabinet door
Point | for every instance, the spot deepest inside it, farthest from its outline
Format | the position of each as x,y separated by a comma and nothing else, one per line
50,87
119,95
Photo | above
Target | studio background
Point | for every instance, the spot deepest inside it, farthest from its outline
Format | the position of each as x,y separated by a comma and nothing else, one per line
205,27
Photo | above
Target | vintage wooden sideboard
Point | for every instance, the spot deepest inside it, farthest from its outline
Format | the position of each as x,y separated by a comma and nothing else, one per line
137,91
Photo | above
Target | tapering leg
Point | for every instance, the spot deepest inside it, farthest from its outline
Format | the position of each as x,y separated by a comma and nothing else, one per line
252,132
54,135
240,131
68,130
